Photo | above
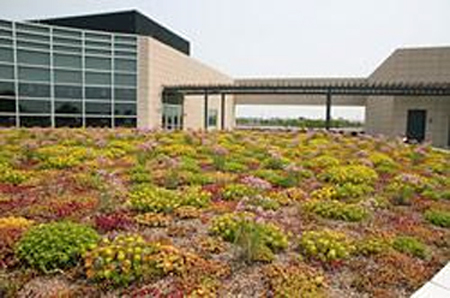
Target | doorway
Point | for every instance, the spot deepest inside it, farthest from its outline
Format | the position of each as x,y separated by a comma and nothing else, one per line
416,125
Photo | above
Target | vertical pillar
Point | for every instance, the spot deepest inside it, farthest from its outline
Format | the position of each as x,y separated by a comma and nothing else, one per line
222,110
328,111
205,112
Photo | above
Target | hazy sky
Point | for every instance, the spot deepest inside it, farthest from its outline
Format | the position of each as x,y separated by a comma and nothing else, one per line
266,38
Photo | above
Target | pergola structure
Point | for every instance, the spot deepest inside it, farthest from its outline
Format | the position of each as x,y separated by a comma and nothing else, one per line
325,89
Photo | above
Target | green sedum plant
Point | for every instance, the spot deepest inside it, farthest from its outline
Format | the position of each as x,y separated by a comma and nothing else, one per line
438,218
355,174
233,192
326,245
373,246
411,246
337,210
56,245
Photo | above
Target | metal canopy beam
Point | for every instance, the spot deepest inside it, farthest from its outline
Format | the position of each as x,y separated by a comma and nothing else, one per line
205,112
328,112
222,110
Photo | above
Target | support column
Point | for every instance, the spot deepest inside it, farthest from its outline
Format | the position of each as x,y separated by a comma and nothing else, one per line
205,112
222,111
328,111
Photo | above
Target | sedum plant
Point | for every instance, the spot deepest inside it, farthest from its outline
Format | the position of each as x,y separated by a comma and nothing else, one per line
233,192
326,245
438,218
56,245
355,174
411,246
337,210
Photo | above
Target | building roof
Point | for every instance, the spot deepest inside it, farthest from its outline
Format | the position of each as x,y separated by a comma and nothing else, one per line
131,22
413,65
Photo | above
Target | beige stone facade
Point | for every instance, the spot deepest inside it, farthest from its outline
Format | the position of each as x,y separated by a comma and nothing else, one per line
161,65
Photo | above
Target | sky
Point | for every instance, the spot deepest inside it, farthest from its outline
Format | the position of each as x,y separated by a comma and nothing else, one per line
283,38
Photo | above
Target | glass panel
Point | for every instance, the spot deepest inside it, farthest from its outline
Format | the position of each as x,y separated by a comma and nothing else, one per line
34,106
6,42
68,122
65,107
6,33
35,121
98,93
33,37
31,57
98,52
98,63
67,41
7,89
125,65
124,109
121,46
93,78
98,108
125,80
5,24
98,122
67,49
68,76
34,90
67,33
63,60
68,92
7,121
33,45
125,94
32,28
125,54
126,39
7,72
7,105
34,74
125,122
97,44
102,37
6,55
212,117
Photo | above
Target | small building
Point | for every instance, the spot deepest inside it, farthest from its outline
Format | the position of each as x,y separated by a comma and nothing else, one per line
114,70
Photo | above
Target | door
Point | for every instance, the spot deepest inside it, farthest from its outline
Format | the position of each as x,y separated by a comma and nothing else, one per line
416,125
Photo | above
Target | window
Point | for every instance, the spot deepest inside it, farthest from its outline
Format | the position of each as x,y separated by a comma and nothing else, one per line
98,122
68,122
125,65
68,76
98,52
212,117
7,89
125,54
33,37
6,42
7,121
34,74
6,55
33,45
59,48
125,122
98,93
125,39
32,28
67,41
34,106
67,33
7,72
98,36
65,107
98,44
6,33
73,92
98,78
63,60
125,109
7,105
98,108
125,94
123,46
32,57
34,90
35,121
5,24
125,80
98,63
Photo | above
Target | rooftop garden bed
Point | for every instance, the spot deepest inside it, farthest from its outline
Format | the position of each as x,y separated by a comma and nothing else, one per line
134,213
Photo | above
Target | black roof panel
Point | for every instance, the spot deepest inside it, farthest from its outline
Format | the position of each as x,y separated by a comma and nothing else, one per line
131,22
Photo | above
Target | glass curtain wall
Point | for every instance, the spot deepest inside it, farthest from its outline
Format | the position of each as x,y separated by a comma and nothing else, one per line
53,77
